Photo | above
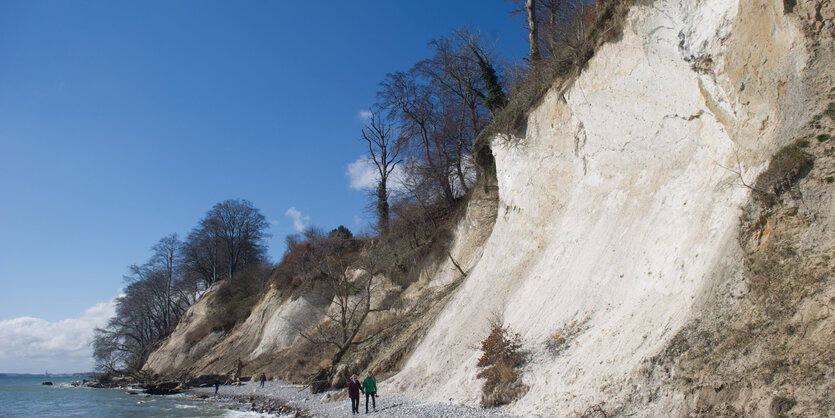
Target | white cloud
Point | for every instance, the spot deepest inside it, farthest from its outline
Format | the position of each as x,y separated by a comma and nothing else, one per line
357,220
362,174
273,222
299,221
30,344
364,115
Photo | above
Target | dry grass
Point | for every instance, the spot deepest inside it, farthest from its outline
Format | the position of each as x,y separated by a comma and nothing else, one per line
563,337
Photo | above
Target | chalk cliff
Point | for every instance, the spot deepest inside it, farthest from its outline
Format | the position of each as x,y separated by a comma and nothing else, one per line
628,219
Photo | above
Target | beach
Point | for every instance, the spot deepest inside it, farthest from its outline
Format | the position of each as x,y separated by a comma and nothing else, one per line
277,398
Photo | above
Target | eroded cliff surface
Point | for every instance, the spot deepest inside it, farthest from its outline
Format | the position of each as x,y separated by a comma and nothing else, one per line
623,201
631,222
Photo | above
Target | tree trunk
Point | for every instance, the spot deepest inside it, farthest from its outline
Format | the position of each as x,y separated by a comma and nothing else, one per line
382,206
533,32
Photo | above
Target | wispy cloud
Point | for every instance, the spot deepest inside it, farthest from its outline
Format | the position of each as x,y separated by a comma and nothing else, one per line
299,221
273,222
30,344
364,115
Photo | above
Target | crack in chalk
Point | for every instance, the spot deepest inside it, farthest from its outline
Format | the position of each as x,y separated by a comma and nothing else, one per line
579,143
684,118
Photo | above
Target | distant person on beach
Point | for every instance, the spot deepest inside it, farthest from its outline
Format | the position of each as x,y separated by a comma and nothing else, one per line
369,387
262,379
217,385
354,393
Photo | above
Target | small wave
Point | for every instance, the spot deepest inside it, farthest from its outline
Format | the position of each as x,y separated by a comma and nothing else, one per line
244,414
183,406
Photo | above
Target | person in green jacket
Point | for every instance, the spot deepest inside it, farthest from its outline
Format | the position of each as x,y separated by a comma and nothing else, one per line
369,387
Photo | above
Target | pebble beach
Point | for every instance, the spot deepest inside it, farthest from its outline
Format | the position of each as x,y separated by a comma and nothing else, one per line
279,399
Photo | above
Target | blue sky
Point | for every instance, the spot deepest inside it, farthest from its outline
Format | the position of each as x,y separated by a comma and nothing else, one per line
124,121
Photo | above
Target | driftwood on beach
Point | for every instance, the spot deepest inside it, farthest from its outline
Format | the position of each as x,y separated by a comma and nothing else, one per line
162,388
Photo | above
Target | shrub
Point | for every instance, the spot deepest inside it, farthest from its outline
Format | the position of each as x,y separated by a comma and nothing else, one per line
786,168
234,299
830,111
823,137
780,405
500,359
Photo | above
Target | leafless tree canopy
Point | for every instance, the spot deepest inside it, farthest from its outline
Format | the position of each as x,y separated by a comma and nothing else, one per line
155,298
556,26
439,106
158,292
228,238
384,147
352,274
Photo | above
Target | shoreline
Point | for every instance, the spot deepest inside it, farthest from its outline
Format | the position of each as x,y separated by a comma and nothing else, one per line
280,399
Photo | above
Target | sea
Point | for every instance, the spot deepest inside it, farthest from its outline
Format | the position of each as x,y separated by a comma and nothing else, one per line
27,397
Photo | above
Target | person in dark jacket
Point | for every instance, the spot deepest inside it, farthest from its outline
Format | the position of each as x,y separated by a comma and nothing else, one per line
354,394
369,387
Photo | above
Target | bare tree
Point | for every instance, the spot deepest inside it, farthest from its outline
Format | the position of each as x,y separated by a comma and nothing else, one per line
384,146
158,292
573,20
241,229
533,32
165,261
411,101
229,237
554,9
202,254
146,313
352,273
557,27
440,105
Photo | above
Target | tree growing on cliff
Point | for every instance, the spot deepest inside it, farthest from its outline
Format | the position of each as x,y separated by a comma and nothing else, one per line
230,237
155,298
228,240
439,106
533,30
352,274
557,27
384,147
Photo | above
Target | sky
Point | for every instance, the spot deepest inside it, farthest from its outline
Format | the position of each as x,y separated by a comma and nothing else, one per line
124,121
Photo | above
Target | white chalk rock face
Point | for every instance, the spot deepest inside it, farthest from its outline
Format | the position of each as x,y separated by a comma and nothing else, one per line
621,203
281,328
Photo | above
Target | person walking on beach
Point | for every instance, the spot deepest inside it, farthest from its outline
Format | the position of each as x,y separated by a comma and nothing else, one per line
369,387
354,393
262,379
217,385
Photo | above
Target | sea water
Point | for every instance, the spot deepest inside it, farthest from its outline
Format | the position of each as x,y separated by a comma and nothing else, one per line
27,397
